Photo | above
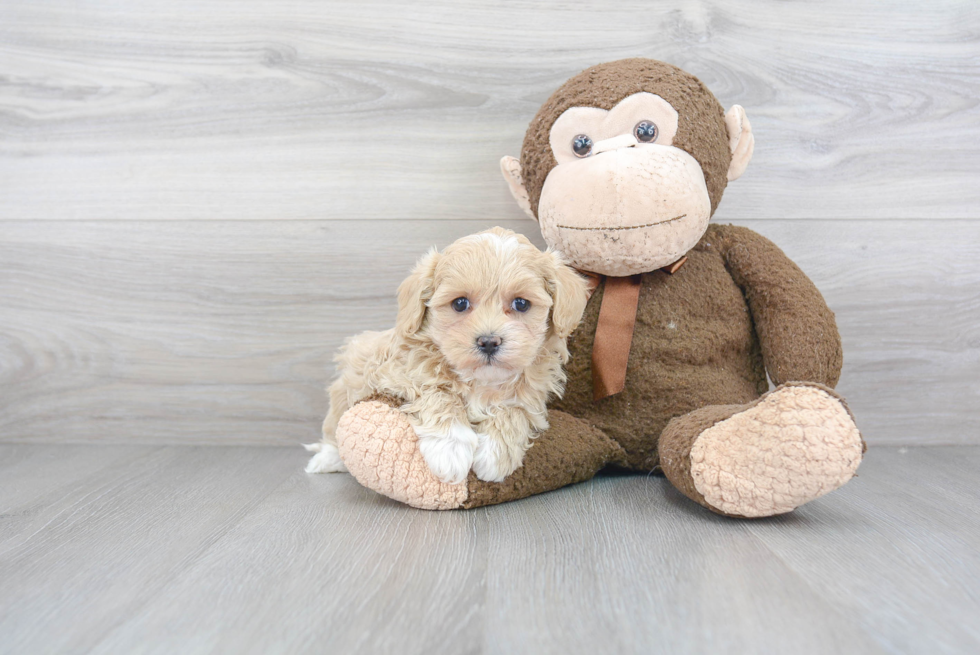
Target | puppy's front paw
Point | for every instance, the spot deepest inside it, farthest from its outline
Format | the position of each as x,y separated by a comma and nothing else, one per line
494,460
449,455
326,460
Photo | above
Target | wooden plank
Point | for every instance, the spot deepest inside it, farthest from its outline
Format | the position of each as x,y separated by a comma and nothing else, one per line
38,482
199,550
223,332
200,332
324,565
565,572
891,566
626,564
82,562
367,109
916,527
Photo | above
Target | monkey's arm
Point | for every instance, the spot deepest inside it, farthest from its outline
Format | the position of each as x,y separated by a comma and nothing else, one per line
797,330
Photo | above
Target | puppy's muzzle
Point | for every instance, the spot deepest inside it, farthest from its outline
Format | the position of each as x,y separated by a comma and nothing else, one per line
488,344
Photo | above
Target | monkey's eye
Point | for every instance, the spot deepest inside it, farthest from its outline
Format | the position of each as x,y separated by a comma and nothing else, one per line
645,132
582,145
461,304
521,305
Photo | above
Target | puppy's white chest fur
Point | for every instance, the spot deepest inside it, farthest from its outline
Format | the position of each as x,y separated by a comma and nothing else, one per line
483,403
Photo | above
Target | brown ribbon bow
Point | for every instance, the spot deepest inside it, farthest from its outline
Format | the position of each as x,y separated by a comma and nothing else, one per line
614,331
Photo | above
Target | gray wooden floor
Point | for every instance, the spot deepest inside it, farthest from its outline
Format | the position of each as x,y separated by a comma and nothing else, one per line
192,549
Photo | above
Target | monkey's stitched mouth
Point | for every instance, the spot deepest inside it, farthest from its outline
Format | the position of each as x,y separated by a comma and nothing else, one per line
617,229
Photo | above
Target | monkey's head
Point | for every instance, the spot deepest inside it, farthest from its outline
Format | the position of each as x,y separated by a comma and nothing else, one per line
624,165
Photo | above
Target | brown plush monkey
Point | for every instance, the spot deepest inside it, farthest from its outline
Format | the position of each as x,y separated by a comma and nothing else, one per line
623,167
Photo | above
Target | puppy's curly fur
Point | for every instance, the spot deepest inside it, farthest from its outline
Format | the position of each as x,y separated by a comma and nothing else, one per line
476,352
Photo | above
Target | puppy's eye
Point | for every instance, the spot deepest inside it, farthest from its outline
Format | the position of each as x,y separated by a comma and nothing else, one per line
461,304
521,305
582,145
645,132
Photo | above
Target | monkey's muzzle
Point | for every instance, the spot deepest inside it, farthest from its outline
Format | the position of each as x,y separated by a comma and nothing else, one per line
625,210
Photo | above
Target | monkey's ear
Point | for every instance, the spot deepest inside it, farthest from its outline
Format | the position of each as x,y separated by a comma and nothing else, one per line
414,293
511,168
740,140
569,292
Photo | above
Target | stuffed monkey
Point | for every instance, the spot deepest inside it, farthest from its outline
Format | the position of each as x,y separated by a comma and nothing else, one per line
623,167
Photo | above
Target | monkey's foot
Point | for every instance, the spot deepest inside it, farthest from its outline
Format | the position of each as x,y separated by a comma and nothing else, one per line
793,445
381,450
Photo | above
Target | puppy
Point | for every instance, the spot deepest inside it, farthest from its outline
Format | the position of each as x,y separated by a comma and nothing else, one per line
476,353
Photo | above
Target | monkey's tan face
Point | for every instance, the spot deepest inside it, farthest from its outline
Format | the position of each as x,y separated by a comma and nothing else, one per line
622,199
625,211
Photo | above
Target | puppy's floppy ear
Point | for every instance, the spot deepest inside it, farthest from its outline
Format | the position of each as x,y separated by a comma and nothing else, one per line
569,293
414,293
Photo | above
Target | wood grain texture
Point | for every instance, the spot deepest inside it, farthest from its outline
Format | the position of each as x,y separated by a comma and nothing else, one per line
222,332
326,566
202,550
101,551
376,109
652,571
919,482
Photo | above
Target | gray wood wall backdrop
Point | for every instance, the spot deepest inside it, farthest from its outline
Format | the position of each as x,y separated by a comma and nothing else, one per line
200,199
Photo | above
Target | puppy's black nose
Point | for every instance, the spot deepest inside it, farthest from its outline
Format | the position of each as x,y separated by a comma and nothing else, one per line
488,344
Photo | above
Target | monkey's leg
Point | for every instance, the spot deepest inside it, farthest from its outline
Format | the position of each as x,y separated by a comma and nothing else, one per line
768,457
379,447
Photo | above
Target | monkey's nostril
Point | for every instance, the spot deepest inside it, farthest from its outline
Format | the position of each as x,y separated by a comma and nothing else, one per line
488,344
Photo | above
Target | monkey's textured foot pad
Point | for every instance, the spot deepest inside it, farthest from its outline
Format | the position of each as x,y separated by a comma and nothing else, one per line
798,443
380,449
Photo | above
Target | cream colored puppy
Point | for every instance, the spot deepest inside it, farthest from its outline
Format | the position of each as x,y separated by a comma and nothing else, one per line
476,353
